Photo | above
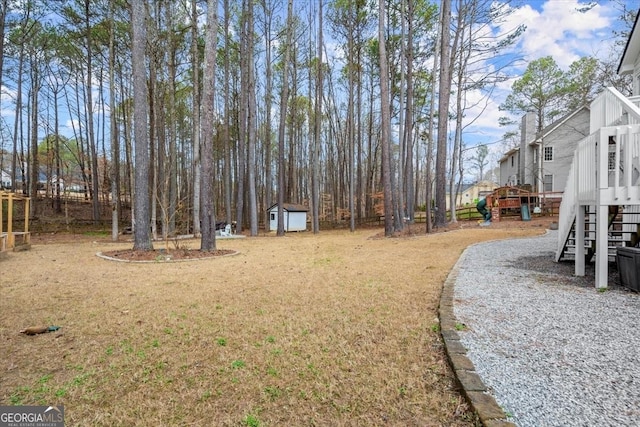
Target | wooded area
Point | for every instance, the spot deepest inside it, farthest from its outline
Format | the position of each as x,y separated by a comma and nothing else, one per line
196,110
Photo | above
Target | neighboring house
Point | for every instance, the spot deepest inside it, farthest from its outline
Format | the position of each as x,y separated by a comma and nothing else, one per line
521,166
43,181
509,168
5,181
53,182
470,193
295,217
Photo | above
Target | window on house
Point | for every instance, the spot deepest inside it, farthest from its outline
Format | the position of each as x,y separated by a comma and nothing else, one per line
273,216
548,154
512,160
548,183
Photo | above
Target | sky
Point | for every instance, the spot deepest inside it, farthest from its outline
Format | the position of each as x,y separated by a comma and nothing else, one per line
556,28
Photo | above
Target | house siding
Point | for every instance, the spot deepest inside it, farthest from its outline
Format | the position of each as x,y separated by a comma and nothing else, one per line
564,140
509,173
563,136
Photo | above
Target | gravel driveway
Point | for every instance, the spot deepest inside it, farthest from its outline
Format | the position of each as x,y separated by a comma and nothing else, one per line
552,349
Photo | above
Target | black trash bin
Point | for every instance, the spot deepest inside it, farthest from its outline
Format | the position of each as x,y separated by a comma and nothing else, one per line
628,260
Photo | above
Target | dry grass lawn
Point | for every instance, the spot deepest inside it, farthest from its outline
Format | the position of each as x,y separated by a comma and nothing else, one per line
335,329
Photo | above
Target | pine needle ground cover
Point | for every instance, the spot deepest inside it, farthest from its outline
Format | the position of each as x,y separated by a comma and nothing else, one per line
333,329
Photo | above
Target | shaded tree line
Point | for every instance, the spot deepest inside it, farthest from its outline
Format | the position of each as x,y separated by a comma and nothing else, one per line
201,110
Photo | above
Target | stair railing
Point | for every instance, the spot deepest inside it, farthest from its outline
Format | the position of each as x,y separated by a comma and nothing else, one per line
579,190
610,107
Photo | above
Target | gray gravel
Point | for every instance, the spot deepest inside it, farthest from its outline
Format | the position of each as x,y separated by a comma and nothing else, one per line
552,349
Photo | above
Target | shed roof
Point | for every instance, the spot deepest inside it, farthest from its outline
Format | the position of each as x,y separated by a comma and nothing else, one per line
291,207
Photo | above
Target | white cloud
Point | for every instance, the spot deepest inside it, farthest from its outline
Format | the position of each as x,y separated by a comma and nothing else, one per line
69,125
554,28
558,29
7,112
334,51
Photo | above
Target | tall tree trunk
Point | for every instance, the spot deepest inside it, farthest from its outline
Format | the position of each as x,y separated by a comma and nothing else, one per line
351,133
3,19
443,115
243,119
370,169
142,236
195,59
102,123
359,129
127,129
385,131
409,118
172,166
58,160
268,95
284,96
315,152
401,193
17,126
430,142
82,137
228,167
34,165
154,153
115,142
251,125
208,220
95,183
460,56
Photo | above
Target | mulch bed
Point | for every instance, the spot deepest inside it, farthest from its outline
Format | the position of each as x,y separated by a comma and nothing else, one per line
165,255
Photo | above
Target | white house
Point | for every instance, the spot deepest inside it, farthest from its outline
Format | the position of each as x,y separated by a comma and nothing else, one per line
604,179
295,217
5,181
555,147
470,193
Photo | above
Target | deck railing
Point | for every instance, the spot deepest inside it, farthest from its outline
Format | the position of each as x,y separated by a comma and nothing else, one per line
567,210
580,188
605,170
611,107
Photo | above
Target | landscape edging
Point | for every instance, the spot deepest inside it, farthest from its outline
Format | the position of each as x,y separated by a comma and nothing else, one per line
470,383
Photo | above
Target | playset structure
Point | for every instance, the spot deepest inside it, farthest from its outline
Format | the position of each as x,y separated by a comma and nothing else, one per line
8,236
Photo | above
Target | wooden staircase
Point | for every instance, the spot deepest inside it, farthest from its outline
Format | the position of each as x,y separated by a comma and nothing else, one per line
601,201
623,230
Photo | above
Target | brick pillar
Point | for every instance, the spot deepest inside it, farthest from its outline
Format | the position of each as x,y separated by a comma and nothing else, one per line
495,213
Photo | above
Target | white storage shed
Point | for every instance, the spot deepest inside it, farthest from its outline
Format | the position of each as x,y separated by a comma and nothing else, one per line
295,217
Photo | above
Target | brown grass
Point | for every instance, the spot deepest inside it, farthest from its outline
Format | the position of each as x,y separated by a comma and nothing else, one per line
334,329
